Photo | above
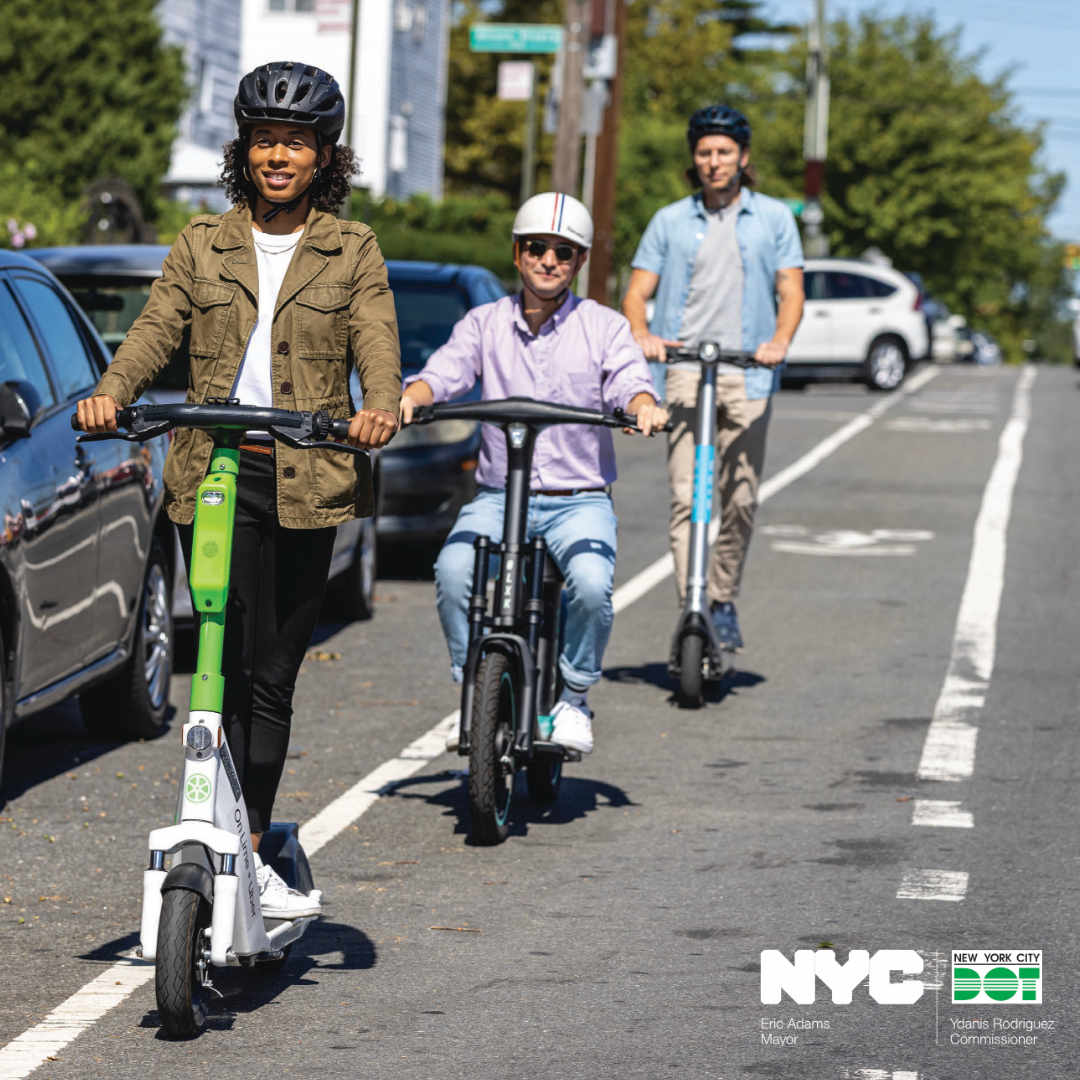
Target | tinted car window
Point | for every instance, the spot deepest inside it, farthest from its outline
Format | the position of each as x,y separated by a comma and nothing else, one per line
19,357
814,285
840,285
55,324
426,316
113,304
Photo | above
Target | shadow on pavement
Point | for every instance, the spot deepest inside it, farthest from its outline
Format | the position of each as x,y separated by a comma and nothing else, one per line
578,797
50,743
657,675
244,990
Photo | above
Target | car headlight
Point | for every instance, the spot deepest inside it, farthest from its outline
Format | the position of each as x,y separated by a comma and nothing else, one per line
440,433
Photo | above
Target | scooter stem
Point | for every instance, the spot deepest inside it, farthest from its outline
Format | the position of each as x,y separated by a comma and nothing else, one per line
701,512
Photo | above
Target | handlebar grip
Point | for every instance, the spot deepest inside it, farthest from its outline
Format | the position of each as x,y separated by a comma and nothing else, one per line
124,418
339,429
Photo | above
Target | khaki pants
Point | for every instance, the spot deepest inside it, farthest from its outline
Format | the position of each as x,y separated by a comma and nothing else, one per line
740,457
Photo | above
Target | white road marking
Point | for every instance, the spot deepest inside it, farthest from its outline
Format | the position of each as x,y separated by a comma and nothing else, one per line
933,885
932,426
34,1047
949,750
795,547
942,814
879,1074
346,808
634,589
68,1021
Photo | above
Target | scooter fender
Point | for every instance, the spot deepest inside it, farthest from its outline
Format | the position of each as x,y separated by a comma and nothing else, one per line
191,876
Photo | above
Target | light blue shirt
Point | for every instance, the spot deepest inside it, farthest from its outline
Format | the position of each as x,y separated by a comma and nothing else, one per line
769,241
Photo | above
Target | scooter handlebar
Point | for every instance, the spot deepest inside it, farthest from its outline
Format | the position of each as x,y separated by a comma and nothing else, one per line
709,352
522,410
301,430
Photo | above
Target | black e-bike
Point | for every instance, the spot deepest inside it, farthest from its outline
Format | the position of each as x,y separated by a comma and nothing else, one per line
511,676
697,658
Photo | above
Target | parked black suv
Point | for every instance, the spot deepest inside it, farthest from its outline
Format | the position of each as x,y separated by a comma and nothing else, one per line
85,549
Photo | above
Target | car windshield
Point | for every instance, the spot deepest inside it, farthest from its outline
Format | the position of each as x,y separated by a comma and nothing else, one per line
426,316
113,304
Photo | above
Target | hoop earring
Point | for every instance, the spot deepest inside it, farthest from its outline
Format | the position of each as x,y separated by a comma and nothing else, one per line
246,177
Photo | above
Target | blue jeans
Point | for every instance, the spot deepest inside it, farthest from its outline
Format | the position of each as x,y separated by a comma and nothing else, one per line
581,535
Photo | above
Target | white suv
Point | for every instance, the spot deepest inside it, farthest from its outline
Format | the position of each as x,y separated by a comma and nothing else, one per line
861,320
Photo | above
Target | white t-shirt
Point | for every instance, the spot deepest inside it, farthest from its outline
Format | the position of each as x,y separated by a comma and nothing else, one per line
254,381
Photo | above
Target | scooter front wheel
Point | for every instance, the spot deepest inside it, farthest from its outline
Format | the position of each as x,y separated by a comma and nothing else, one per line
491,740
691,676
178,982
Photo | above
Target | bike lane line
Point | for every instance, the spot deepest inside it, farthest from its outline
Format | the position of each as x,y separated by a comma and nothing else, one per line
949,750
78,1013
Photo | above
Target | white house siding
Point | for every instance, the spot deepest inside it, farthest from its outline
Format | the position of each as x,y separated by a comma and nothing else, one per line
417,106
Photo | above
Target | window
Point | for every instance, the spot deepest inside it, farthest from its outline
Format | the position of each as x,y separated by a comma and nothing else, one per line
290,5
19,357
814,285
426,315
57,330
841,285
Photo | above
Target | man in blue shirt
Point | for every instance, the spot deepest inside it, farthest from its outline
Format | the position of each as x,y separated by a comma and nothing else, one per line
725,265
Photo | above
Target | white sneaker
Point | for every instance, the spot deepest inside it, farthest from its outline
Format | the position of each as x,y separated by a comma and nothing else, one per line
278,901
572,727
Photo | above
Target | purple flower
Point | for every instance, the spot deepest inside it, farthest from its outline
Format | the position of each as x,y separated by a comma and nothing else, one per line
12,225
30,230
18,240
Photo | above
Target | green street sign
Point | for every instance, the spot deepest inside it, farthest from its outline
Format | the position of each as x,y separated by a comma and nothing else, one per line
516,37
794,205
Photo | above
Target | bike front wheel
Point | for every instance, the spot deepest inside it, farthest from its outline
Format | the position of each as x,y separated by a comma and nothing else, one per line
492,730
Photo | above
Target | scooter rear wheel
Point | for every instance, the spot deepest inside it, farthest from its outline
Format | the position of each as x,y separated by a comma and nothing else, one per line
491,739
691,677
178,985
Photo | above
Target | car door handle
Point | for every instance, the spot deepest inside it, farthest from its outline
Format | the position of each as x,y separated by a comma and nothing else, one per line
875,311
822,314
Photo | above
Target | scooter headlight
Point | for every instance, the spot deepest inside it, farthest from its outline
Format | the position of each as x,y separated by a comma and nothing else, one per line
199,737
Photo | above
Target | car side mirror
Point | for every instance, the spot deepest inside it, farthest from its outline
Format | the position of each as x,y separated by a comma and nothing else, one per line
19,404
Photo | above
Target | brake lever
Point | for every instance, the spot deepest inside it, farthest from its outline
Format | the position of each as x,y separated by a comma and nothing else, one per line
142,435
305,442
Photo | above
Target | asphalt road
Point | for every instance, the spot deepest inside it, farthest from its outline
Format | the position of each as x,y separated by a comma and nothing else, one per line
621,930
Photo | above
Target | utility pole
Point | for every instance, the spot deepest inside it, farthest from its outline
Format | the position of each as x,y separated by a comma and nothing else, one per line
566,171
350,106
528,154
816,135
607,154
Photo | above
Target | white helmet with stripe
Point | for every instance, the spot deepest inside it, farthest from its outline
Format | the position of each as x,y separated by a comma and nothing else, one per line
554,214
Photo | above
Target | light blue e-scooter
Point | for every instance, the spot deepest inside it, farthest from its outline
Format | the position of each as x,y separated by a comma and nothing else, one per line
697,656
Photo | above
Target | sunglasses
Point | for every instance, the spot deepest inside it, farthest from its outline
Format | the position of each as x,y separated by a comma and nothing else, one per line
563,252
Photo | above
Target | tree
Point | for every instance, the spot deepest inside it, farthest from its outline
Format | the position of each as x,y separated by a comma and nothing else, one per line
929,162
90,90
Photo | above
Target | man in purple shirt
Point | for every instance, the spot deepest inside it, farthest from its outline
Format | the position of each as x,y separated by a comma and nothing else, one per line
545,343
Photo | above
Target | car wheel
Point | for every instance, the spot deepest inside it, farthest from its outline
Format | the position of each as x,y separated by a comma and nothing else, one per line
134,703
886,364
360,577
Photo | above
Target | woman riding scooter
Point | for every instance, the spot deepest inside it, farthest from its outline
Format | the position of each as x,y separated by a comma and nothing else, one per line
281,298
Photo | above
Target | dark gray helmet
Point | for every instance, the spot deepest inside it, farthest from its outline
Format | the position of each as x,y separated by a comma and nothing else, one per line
294,93
719,120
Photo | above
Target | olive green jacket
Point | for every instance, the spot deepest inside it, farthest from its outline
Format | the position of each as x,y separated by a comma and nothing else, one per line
334,310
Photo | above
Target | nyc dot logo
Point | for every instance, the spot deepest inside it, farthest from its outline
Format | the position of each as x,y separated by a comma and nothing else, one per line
997,977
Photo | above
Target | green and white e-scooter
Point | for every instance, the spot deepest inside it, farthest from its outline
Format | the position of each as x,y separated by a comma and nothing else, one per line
697,657
203,911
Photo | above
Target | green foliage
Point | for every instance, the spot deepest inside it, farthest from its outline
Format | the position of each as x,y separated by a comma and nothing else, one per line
42,219
928,162
90,90
485,136
461,229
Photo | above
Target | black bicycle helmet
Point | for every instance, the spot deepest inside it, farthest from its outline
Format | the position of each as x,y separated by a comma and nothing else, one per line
295,93
718,120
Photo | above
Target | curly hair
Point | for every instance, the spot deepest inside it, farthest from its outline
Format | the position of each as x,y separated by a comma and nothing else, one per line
327,194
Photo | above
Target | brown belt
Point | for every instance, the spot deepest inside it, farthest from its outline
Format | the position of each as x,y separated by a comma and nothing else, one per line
255,448
568,491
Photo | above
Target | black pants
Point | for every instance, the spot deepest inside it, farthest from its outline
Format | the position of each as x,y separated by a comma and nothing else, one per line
276,585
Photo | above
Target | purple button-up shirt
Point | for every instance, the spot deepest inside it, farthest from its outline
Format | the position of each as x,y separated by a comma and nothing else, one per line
583,355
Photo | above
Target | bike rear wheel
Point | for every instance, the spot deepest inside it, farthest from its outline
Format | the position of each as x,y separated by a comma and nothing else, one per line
178,984
691,676
491,739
